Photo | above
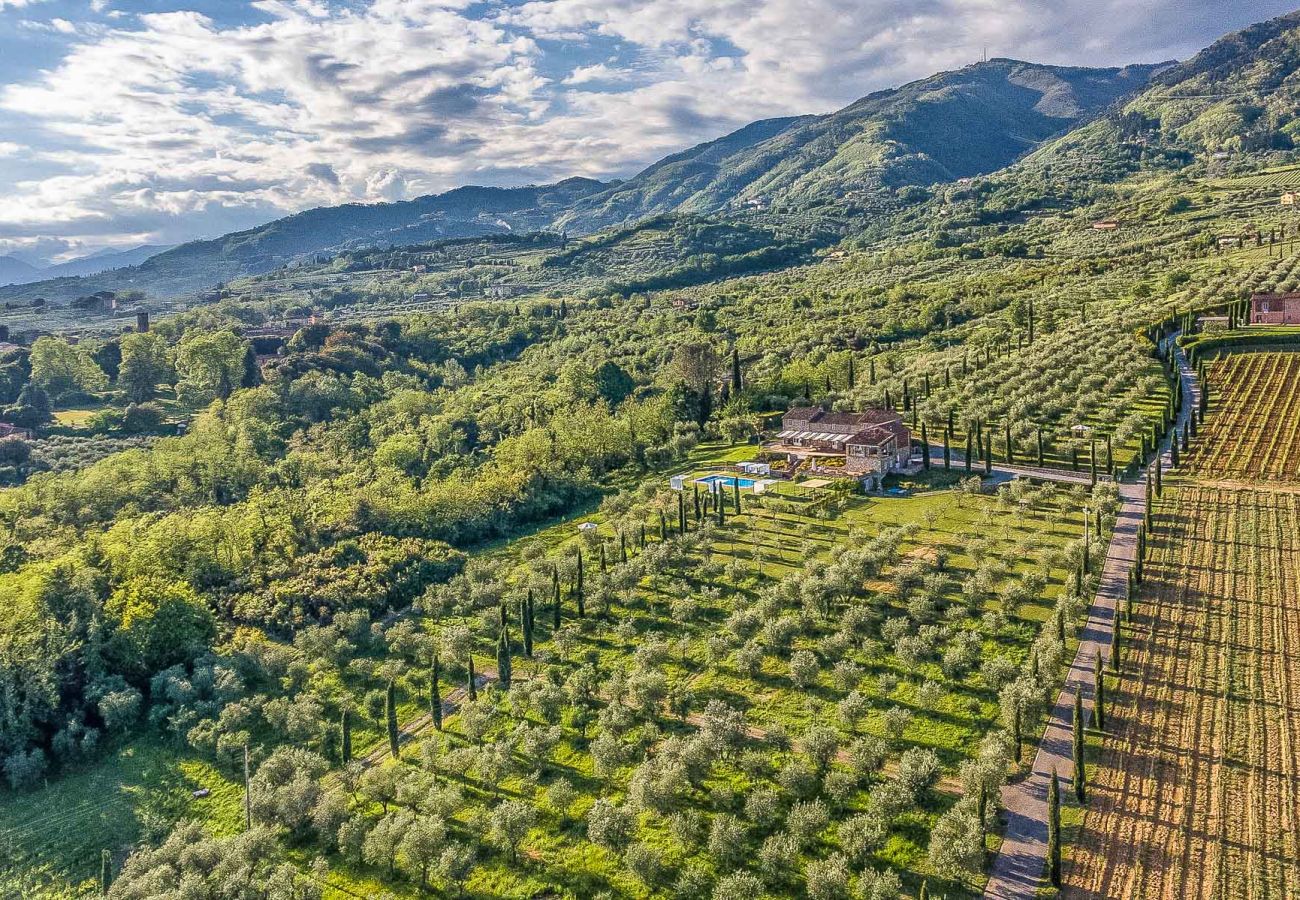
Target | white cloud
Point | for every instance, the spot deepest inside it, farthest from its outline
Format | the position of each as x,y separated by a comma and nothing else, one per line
170,124
17,4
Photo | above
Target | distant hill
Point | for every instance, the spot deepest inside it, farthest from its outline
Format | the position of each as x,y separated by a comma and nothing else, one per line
952,125
463,212
104,261
16,271
956,124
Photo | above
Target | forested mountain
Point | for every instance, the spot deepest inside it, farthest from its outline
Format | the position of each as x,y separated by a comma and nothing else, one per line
953,125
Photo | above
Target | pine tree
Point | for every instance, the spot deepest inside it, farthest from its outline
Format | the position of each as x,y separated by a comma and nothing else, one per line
390,714
1080,773
345,736
435,694
1054,830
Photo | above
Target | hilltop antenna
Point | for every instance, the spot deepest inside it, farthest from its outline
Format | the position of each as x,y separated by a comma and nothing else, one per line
986,53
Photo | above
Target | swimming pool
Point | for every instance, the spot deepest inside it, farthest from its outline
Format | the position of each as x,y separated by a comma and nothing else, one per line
725,481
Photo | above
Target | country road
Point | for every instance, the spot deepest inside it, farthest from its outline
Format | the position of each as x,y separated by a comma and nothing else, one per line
1019,869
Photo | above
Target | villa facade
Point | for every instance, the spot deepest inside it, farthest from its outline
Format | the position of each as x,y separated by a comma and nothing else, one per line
1275,309
871,444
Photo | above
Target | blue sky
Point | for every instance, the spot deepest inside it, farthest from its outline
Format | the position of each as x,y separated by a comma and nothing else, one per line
157,121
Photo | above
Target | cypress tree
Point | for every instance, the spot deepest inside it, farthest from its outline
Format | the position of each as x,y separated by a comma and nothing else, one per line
681,513
1092,461
982,806
603,565
907,396
988,452
1054,830
1099,699
1159,479
526,624
1173,451
642,533
1040,446
736,384
735,494
852,377
503,658
470,679
578,587
390,714
663,528
105,871
1060,625
925,448
696,495
622,546
720,509
1080,773
1110,457
1015,729
435,694
872,374
557,614
947,450
345,736
968,452
1011,450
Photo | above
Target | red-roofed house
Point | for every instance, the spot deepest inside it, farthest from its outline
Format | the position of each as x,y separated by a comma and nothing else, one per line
872,443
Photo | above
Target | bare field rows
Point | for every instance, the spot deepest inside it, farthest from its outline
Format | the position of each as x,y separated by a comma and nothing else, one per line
1195,793
1254,431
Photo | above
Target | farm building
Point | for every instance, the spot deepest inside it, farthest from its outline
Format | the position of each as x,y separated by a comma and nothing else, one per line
867,445
1275,309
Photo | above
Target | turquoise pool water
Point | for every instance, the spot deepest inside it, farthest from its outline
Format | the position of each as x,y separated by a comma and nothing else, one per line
725,481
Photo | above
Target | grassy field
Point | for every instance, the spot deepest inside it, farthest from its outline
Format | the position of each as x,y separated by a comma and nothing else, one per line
52,838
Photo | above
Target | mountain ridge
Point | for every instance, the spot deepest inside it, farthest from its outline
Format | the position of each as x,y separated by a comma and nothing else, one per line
863,154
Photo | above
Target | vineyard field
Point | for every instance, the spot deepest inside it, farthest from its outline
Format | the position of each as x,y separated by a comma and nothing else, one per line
1195,793
1254,432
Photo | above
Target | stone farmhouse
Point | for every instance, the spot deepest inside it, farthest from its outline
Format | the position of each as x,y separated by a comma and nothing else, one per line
866,445
1275,309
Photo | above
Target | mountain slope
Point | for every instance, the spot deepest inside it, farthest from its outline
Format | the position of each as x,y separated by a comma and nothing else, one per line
952,125
103,261
1235,104
14,271
463,212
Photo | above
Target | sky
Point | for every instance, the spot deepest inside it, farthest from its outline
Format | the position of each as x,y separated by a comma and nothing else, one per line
124,122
